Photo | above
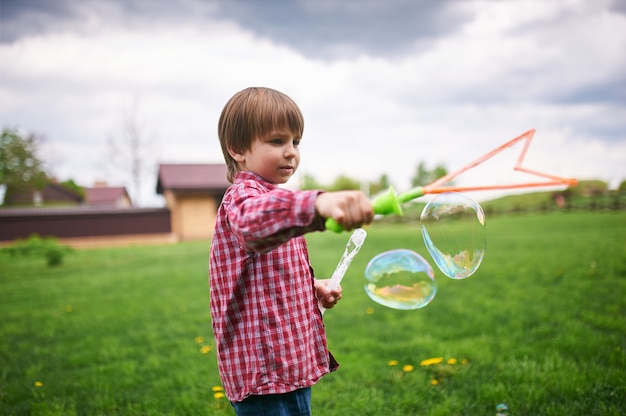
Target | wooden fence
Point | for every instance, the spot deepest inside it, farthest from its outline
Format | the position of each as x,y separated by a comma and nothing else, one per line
88,226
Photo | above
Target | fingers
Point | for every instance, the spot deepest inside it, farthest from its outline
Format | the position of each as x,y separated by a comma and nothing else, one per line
357,211
337,293
330,301
333,297
350,209
327,299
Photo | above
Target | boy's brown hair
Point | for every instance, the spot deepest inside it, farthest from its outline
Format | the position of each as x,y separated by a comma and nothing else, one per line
252,113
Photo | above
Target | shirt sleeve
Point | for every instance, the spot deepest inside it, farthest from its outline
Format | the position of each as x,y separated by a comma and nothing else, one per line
262,220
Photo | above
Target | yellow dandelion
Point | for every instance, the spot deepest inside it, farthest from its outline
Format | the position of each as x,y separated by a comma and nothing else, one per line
199,340
392,363
369,310
407,368
38,384
217,388
434,381
431,361
219,395
452,361
464,361
205,350
68,308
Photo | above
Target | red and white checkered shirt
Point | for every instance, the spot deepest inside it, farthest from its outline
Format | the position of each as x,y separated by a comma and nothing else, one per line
268,329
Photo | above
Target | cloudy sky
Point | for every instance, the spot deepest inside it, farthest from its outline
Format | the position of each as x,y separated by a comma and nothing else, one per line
383,84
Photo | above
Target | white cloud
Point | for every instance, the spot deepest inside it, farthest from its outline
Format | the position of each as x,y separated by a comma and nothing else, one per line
510,69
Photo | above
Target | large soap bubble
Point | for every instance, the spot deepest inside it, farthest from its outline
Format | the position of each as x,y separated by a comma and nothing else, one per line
400,279
454,230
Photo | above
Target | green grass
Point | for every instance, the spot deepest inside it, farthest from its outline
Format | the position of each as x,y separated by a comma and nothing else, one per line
541,325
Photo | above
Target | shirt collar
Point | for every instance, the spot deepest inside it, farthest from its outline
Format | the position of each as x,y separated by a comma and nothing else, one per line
242,176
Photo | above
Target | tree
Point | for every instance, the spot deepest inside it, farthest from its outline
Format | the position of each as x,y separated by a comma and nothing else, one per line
344,183
130,152
73,186
380,186
21,169
309,183
590,188
423,176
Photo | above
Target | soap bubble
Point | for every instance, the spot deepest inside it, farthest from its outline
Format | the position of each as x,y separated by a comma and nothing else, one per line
453,226
502,409
400,279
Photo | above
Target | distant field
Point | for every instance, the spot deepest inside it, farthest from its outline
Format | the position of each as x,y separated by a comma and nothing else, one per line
541,327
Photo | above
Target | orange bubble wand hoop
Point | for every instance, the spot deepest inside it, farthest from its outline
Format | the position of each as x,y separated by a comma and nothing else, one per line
391,203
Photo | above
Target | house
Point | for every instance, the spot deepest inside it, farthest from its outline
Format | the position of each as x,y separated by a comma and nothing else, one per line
192,193
103,216
102,195
57,194
53,193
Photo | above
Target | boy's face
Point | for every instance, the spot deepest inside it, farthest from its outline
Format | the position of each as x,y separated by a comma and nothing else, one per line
275,156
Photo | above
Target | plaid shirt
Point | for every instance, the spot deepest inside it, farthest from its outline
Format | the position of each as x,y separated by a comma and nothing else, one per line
267,326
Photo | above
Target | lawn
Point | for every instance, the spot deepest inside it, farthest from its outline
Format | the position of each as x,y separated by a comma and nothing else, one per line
540,327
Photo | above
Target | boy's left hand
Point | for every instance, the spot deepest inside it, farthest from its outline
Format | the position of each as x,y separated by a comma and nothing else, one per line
327,298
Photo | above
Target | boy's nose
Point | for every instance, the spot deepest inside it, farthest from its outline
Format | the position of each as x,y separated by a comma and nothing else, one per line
290,151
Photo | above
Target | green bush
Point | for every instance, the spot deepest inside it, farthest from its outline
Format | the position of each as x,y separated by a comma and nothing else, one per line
35,246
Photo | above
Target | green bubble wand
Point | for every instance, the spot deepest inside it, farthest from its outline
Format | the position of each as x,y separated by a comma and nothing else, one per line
391,202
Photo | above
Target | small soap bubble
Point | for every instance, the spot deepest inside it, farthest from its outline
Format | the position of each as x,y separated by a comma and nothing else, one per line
454,230
400,279
502,410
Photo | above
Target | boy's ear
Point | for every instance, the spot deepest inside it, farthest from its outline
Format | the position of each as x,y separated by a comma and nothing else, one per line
237,157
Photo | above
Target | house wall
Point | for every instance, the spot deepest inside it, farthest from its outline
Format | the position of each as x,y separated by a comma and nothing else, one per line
123,202
171,201
193,214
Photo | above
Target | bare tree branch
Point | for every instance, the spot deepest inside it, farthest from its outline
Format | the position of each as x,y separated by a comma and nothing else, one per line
131,151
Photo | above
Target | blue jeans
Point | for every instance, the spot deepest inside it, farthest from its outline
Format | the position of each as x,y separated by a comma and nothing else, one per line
295,403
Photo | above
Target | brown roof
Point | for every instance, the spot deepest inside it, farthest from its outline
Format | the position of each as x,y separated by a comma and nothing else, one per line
186,177
53,192
105,195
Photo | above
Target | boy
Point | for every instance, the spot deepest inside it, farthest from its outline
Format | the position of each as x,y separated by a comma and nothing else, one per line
271,344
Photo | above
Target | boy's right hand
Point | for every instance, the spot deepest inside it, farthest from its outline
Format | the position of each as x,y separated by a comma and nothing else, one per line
350,209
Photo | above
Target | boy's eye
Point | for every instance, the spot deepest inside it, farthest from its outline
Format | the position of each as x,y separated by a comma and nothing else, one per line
296,143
